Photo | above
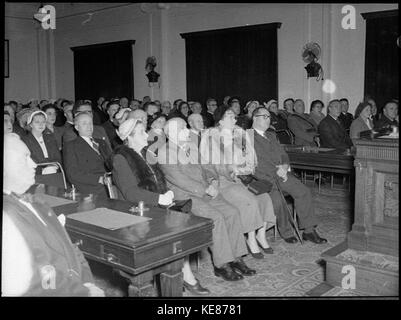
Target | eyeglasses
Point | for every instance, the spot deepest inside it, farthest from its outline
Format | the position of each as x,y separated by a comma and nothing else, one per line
265,116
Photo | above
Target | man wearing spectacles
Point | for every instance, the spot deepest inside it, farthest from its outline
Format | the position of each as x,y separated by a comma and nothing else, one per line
209,117
274,166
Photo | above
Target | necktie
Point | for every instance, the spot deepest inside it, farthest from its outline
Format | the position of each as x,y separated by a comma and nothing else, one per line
95,145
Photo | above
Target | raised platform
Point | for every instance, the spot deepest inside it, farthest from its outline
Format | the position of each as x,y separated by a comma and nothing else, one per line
376,274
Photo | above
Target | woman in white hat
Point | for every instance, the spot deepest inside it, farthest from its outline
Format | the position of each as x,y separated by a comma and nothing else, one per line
43,147
138,177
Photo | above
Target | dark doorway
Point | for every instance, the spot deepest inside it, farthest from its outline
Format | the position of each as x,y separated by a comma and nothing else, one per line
104,70
381,56
240,61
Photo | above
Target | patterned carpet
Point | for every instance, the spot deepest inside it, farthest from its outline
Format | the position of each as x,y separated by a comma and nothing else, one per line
292,270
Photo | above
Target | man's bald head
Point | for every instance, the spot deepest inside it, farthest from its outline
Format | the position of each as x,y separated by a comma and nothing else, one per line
195,121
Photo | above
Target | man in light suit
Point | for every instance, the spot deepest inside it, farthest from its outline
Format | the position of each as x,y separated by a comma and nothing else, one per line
87,159
188,179
70,132
274,166
302,126
331,130
38,258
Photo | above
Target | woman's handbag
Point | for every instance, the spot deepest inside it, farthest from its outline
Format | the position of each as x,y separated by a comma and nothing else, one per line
256,186
184,206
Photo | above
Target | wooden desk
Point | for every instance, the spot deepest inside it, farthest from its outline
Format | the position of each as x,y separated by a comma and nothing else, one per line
141,251
320,159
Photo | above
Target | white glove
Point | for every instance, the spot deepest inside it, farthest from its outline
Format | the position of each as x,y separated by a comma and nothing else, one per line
167,198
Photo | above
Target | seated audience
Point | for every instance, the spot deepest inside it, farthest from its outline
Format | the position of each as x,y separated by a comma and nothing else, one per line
183,109
237,159
22,119
43,147
87,158
135,104
196,107
140,180
363,121
302,126
99,114
245,120
8,125
139,114
278,123
209,115
123,102
345,117
121,116
388,119
70,132
165,108
375,113
152,110
156,133
111,125
191,181
235,106
288,106
274,166
38,258
196,126
58,132
316,111
331,131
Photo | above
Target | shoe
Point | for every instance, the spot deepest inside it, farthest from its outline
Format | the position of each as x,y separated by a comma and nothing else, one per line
265,250
291,240
227,273
196,288
313,237
258,255
240,266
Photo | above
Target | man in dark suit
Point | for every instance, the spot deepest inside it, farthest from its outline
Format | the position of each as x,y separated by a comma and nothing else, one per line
302,126
87,159
345,117
38,258
209,115
111,125
190,180
388,119
331,131
70,132
274,166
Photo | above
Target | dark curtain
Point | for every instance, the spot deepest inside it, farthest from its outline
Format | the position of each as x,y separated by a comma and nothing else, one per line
104,70
239,61
381,56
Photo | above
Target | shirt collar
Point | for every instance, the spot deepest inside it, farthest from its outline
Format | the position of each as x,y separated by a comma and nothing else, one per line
259,132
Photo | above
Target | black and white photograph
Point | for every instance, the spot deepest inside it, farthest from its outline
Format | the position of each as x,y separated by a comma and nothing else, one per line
201,151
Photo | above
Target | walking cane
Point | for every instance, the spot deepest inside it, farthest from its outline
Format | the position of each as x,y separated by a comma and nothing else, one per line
294,225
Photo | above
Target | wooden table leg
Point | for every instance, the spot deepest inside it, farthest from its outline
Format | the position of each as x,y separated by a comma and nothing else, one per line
171,281
140,285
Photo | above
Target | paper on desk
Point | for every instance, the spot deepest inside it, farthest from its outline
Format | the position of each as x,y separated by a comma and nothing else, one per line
107,218
54,201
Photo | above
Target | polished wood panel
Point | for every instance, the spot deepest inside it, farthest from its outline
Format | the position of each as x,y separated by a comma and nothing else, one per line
320,159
